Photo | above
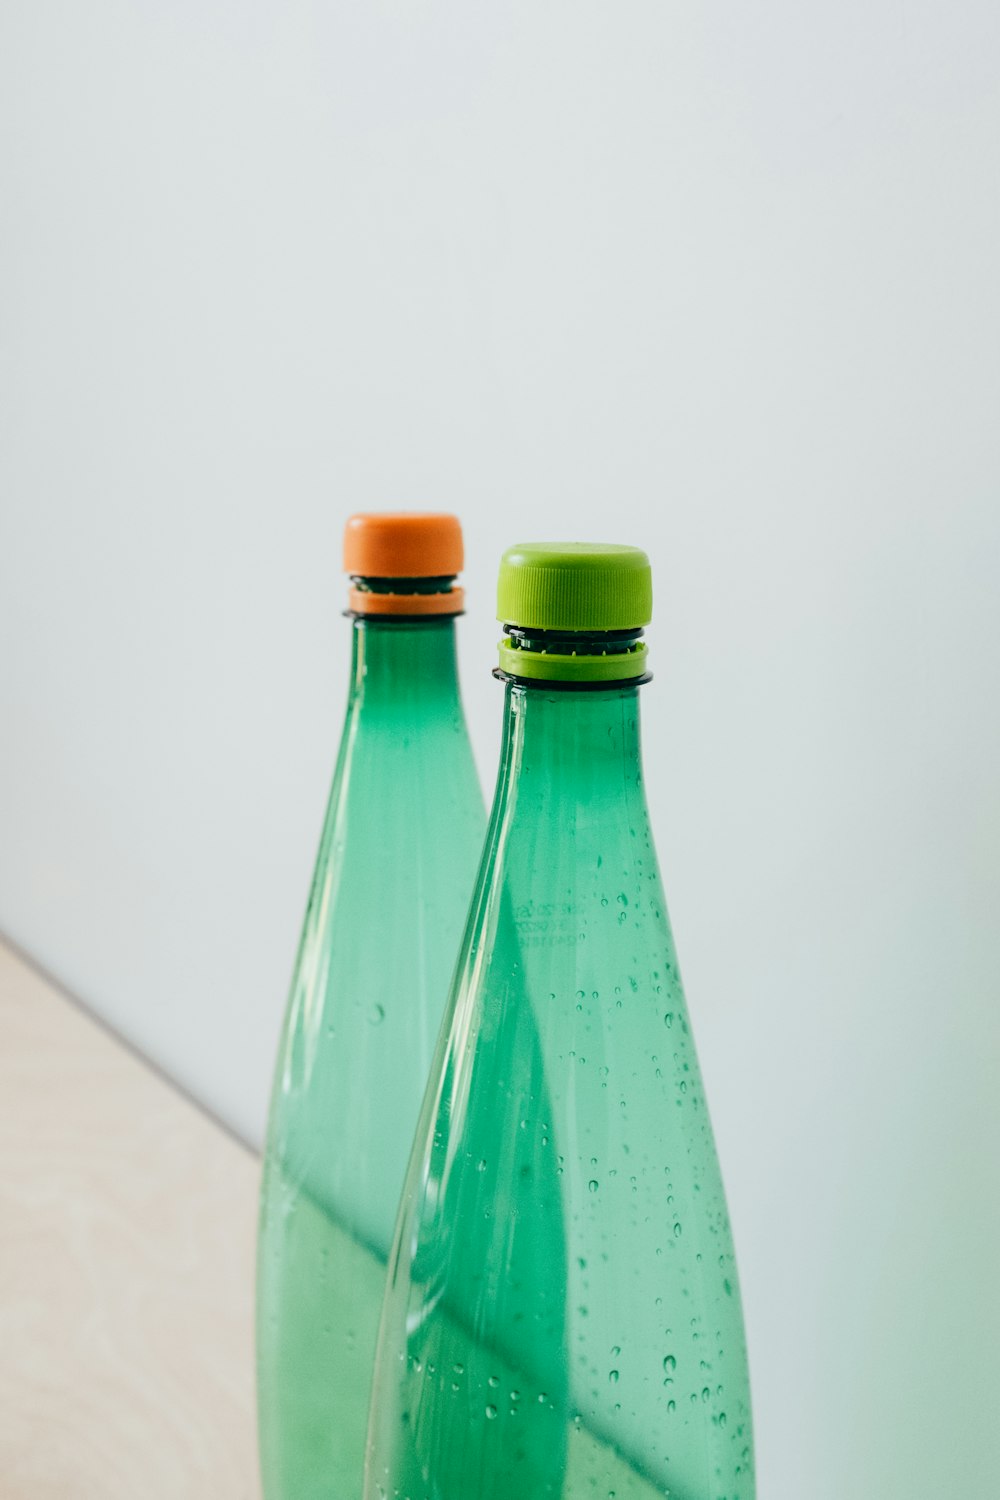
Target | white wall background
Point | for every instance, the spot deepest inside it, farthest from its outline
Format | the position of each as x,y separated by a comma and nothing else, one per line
722,281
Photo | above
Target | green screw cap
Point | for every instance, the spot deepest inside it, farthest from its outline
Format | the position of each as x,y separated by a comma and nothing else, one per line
583,588
575,586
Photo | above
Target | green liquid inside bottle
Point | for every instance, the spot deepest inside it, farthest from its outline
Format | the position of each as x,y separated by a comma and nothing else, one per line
397,859
563,1314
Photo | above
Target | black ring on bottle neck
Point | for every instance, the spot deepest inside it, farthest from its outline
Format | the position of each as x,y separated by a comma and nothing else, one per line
369,616
367,584
558,685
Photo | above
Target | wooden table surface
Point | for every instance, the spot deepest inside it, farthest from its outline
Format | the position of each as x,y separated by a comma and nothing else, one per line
127,1221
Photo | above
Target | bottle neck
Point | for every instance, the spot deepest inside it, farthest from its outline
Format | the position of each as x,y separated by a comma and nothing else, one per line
569,752
396,664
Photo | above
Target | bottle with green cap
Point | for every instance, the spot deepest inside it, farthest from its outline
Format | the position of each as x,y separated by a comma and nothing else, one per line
562,1316
395,870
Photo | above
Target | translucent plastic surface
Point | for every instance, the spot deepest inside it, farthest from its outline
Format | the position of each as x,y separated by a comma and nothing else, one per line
395,871
563,1315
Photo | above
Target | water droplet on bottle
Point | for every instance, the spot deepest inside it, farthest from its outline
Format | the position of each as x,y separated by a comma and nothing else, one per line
671,1406
678,1231
622,899
604,900
593,1184
668,1019
481,1164
613,1376
493,1382
616,1349
491,1412
376,1015
669,1364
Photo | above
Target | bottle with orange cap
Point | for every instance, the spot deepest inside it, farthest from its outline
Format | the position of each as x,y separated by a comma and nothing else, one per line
397,860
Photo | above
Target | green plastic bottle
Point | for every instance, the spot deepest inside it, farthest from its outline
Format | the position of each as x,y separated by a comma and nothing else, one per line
396,866
563,1316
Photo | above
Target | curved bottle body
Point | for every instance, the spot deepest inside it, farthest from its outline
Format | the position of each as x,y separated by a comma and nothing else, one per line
393,876
563,1314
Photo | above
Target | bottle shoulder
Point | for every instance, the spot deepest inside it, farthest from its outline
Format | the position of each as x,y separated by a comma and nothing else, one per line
386,909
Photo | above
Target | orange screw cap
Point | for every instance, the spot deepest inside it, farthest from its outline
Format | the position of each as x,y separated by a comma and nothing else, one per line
403,544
